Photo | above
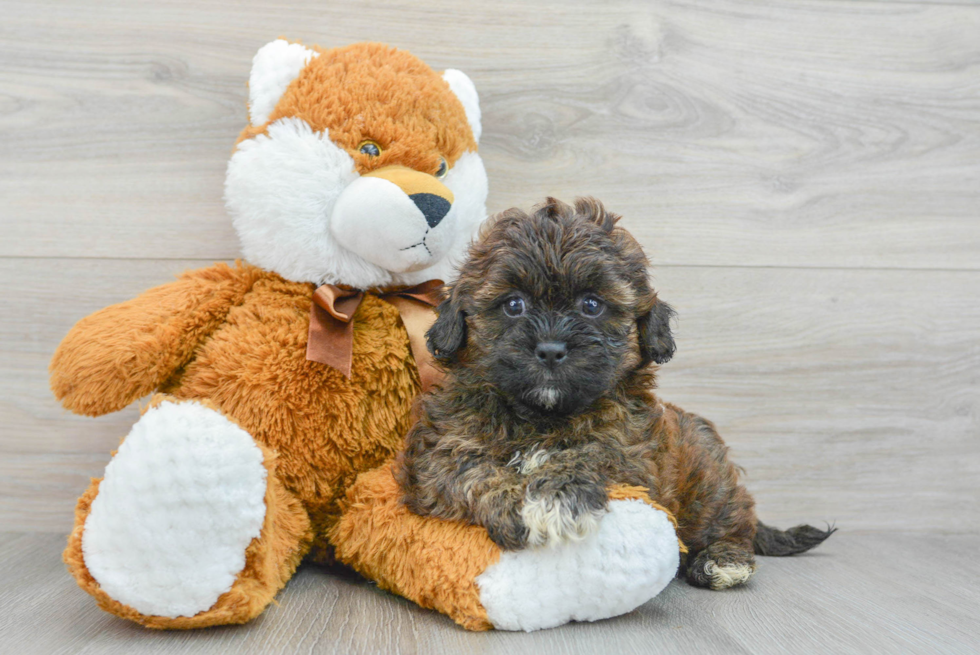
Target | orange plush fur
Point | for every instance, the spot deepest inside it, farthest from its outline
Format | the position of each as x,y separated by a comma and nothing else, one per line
329,94
234,338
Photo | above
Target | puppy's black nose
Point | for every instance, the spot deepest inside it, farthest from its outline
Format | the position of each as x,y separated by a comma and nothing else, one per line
432,206
551,353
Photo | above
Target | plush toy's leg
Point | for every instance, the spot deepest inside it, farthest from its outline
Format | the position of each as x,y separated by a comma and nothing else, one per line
457,570
190,526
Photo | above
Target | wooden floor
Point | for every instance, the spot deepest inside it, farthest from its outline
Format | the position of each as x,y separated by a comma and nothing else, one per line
805,175
880,592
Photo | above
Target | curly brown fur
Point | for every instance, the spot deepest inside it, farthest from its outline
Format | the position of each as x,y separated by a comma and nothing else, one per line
547,401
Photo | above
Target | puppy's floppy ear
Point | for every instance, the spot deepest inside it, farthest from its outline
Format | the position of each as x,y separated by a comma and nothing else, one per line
448,334
656,340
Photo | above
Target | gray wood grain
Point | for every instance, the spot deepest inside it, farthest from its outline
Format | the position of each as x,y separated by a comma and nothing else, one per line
804,173
860,593
739,133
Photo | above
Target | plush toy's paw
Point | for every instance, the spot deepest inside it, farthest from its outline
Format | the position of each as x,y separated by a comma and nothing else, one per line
177,518
629,560
178,506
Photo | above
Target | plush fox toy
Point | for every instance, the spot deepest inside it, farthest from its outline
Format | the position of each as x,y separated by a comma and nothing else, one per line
284,383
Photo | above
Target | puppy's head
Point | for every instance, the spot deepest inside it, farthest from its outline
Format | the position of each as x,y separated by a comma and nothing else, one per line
553,308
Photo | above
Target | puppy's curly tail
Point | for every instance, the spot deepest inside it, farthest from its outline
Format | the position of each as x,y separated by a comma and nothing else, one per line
779,543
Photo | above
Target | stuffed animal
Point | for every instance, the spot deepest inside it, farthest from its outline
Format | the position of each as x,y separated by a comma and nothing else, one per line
284,383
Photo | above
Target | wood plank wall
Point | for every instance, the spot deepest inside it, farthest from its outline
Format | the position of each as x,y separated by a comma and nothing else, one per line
805,175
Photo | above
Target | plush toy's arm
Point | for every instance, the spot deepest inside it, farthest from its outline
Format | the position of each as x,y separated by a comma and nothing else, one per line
456,568
124,352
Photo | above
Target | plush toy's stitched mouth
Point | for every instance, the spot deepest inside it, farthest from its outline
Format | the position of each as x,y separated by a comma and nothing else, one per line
420,243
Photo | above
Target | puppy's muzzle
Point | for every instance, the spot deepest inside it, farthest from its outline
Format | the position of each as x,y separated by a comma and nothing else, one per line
551,353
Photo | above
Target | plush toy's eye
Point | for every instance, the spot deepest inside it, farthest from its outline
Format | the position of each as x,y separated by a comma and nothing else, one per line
369,148
443,168
515,307
592,306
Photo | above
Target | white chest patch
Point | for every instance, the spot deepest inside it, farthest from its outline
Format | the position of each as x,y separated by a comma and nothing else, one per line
179,504
630,560
526,464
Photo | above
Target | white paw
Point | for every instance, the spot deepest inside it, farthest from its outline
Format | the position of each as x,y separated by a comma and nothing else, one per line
729,575
551,522
628,561
179,504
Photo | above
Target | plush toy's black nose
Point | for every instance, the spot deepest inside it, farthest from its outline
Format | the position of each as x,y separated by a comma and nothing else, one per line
432,206
551,353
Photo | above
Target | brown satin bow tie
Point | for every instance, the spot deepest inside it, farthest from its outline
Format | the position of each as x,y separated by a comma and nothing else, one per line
331,338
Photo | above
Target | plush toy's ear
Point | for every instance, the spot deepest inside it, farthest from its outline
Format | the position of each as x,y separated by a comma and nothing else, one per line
448,334
275,65
465,90
656,340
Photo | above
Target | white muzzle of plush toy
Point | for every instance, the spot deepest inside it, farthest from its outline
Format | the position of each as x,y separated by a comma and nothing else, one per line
396,218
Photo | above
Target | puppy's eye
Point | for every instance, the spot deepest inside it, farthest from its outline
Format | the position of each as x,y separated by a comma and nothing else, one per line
515,307
443,168
369,148
592,306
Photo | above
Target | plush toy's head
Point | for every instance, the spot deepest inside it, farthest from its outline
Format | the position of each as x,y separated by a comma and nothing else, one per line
358,167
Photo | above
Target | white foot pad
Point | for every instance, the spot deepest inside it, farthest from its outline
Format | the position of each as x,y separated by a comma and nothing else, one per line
632,557
179,504
729,575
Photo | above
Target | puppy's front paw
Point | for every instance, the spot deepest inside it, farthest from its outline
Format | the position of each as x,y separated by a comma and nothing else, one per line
570,512
507,529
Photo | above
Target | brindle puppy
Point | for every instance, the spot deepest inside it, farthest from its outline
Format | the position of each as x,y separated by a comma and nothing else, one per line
550,338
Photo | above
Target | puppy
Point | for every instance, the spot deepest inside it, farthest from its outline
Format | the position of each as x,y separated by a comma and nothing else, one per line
550,338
